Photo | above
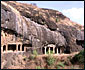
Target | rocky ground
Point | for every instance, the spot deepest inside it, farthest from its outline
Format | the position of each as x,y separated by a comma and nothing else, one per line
24,61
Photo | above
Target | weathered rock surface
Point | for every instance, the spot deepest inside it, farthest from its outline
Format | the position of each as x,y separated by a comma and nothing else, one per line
12,59
39,25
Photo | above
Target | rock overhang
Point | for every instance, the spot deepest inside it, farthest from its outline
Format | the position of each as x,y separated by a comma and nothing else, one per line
31,30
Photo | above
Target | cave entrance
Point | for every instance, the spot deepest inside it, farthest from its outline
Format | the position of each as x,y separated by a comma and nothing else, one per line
52,50
49,49
43,50
26,47
57,50
11,47
67,50
15,47
4,48
23,47
19,47
80,42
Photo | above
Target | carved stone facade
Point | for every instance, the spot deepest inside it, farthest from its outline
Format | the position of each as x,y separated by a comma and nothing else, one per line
10,42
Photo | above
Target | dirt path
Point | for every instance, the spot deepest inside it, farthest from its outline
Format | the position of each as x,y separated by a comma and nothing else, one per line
59,55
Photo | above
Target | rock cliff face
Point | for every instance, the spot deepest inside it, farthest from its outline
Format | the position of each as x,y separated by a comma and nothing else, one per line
39,26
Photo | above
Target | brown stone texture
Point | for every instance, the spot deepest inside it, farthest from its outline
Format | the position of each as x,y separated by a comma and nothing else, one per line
38,26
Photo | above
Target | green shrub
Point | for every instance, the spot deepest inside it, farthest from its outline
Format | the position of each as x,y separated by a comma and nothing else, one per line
35,52
61,64
51,52
57,19
78,58
38,67
50,60
47,52
31,57
69,57
58,67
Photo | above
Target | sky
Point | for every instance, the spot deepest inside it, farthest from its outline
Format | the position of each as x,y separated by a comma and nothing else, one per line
72,9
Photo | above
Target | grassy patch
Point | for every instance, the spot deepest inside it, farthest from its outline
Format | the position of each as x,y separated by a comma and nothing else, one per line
38,67
34,55
50,60
59,65
35,52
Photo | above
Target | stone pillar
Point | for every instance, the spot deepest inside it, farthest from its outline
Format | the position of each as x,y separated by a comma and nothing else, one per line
6,47
17,47
57,50
20,47
3,33
24,49
45,50
53,49
49,50
2,49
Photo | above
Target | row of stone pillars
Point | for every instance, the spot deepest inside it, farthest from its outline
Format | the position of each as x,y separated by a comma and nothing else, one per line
53,50
17,45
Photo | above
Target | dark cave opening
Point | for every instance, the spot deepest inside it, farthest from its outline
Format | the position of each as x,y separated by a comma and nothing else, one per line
58,49
19,47
4,48
28,46
43,50
47,49
12,47
22,47
67,50
80,42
